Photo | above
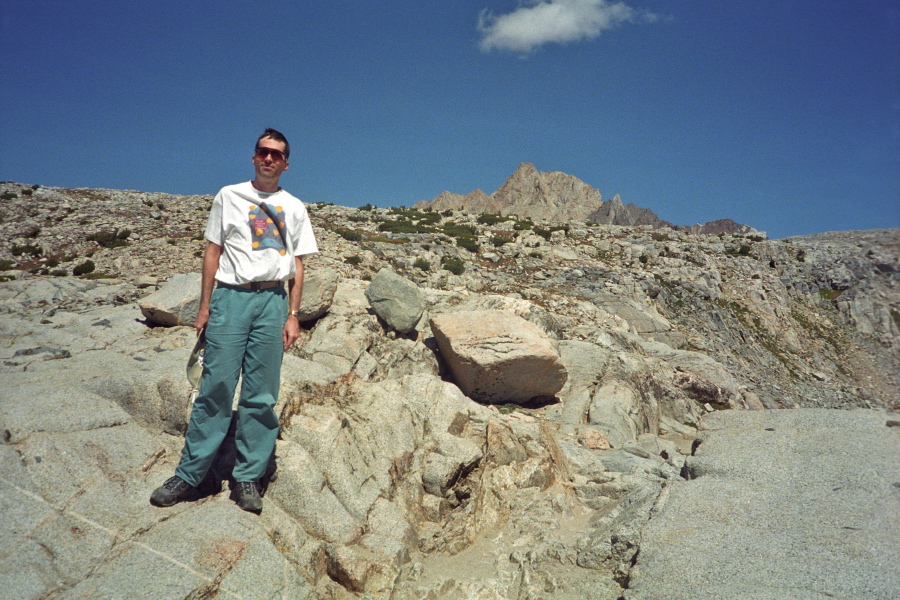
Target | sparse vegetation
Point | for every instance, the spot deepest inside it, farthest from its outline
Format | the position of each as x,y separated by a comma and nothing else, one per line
492,219
84,268
6,265
744,250
423,264
523,225
470,244
111,239
547,233
500,240
353,260
348,234
31,249
454,264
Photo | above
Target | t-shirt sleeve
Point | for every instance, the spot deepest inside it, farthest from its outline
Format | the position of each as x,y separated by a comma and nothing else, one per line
304,241
214,222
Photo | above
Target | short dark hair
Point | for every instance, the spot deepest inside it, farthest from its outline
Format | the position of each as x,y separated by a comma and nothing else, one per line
278,137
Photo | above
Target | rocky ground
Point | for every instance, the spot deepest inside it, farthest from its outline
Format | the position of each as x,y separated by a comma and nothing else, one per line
392,483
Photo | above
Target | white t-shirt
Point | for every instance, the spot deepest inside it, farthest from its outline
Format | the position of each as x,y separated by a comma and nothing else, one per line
252,248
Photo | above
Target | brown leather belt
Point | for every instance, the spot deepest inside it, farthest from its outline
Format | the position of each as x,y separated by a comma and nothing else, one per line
255,285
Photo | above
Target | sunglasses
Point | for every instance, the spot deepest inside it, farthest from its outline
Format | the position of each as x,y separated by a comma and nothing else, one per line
277,155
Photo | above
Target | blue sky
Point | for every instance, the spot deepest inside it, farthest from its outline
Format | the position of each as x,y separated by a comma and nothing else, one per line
781,115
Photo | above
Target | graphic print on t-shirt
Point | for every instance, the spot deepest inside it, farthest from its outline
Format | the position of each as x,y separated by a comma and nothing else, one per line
264,232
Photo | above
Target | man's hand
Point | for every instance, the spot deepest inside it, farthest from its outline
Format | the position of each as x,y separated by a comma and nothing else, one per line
291,332
202,320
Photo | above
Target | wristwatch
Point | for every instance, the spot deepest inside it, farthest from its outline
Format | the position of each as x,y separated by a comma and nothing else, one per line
295,313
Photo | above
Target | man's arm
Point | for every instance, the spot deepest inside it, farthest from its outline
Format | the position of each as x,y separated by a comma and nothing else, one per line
291,330
207,283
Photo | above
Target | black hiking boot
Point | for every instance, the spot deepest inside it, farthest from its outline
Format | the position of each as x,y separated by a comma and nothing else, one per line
174,489
247,495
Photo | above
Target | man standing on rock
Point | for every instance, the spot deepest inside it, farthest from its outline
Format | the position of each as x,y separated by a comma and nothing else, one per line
258,235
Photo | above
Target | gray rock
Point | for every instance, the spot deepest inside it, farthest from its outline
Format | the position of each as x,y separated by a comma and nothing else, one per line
211,550
496,356
396,300
319,286
176,303
303,493
758,523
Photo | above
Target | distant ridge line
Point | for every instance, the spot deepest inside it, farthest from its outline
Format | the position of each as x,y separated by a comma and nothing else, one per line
558,197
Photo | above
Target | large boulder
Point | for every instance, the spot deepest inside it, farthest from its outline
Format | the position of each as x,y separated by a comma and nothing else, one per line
318,293
497,357
396,300
176,303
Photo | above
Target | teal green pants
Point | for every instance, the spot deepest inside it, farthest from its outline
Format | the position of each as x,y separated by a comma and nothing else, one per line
243,337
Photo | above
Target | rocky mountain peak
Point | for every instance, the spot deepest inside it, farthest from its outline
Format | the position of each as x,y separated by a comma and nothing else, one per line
559,197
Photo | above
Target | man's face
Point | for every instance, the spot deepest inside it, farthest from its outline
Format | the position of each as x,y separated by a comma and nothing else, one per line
269,160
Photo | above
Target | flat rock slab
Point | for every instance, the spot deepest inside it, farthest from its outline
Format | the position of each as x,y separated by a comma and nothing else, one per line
800,503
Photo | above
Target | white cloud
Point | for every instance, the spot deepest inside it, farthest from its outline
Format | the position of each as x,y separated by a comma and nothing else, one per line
561,21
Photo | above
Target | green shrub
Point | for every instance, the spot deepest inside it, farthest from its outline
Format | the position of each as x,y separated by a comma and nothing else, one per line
353,260
26,249
499,240
386,240
470,244
423,264
523,225
535,255
492,219
110,239
8,195
6,265
52,263
544,233
368,207
84,268
404,226
457,230
454,264
348,234
59,272
644,259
